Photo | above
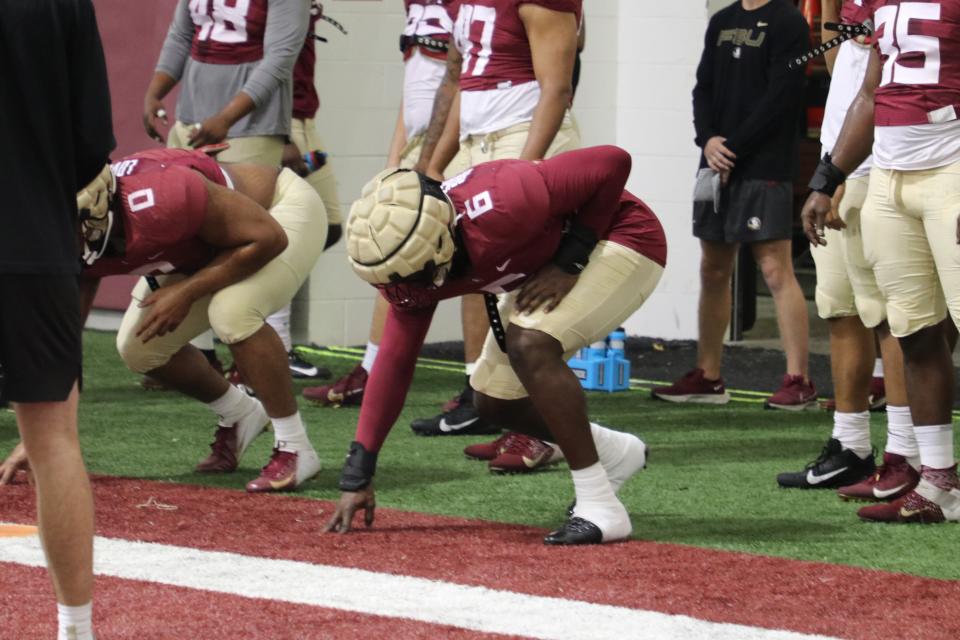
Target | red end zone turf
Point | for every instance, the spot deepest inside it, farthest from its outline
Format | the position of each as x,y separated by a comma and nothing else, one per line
709,585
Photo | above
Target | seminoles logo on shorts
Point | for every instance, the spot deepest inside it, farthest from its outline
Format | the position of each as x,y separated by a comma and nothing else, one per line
754,224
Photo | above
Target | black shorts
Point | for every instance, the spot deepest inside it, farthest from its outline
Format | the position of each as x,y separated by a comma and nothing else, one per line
750,211
40,336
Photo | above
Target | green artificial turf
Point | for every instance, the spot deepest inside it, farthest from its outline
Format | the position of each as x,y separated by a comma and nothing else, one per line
711,480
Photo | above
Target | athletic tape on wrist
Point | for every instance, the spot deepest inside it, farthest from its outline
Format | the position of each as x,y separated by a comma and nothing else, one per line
359,468
827,178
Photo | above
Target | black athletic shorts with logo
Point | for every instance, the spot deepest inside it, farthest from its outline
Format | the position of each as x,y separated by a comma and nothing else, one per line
750,211
40,336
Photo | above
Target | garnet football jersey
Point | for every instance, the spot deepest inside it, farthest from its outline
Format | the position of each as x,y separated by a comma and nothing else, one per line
161,202
855,11
919,47
428,18
493,41
228,32
305,98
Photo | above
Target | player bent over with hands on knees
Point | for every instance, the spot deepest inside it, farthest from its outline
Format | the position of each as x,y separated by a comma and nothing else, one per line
576,253
221,247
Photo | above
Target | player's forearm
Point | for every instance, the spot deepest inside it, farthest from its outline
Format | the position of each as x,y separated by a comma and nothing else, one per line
234,265
398,141
449,142
239,106
160,85
403,335
831,13
855,142
442,104
547,118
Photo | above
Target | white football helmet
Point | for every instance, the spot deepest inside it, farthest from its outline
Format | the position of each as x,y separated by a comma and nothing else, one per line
400,230
96,218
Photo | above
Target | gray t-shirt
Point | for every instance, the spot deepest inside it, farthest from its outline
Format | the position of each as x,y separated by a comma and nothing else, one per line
206,88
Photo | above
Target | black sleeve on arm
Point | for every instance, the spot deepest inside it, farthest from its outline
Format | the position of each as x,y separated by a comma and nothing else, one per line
90,97
703,90
785,87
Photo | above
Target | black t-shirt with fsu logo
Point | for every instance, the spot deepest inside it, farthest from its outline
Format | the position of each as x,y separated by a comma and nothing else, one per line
745,91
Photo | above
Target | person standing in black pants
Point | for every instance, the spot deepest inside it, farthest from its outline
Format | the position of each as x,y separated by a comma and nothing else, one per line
55,108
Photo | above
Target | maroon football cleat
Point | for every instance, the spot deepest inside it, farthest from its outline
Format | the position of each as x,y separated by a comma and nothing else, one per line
893,479
345,392
489,450
286,471
794,394
878,394
524,454
693,387
926,504
230,442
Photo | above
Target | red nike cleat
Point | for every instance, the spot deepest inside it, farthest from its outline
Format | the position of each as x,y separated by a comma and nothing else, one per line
893,479
286,471
795,394
345,392
694,388
525,454
489,450
927,504
230,443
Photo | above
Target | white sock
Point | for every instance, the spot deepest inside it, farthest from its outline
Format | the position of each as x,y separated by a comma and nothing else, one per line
612,447
901,439
232,405
370,356
936,445
853,431
878,368
289,433
597,503
75,623
204,341
469,368
280,321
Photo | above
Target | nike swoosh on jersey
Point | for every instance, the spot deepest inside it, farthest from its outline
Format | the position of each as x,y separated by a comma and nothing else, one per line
883,494
813,478
504,265
763,24
446,427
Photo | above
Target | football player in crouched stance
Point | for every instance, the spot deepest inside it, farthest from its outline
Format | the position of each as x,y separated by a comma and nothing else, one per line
223,247
578,255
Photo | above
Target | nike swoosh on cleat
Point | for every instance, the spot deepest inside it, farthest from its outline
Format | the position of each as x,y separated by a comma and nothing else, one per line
883,494
531,462
813,478
279,485
446,427
906,514
312,371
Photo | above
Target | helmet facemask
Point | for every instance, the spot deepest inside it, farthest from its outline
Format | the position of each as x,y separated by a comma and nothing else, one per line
95,215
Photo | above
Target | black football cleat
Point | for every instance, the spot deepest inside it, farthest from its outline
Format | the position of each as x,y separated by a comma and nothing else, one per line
575,531
462,419
303,370
834,467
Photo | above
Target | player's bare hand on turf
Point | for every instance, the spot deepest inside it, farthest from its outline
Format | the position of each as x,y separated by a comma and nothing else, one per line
211,131
16,461
153,110
718,156
350,503
292,159
168,305
814,217
546,289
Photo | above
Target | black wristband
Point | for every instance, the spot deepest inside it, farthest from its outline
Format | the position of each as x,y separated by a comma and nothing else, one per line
577,243
827,178
359,468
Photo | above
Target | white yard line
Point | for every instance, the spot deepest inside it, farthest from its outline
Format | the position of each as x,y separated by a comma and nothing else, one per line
431,601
